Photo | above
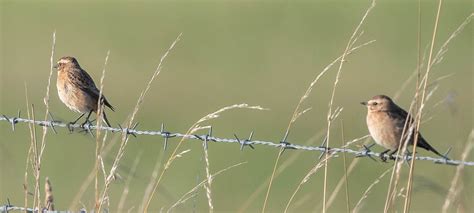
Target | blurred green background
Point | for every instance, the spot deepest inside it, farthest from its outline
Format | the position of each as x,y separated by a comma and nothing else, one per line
257,52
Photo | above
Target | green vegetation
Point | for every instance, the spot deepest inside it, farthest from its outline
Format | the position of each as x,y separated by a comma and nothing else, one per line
262,53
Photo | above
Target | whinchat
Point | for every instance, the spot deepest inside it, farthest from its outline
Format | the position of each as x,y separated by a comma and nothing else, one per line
386,121
77,90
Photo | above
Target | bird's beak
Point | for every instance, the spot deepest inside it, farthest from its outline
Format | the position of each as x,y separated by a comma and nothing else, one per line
364,103
55,66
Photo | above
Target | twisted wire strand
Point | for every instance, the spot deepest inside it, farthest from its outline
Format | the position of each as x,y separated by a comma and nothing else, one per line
366,152
8,208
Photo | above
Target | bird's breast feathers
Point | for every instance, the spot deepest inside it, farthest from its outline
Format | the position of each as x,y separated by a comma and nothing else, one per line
383,129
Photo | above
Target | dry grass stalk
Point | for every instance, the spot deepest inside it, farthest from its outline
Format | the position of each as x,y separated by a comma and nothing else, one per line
342,181
132,172
209,180
396,171
345,170
444,48
290,160
38,151
408,130
91,177
190,193
297,113
153,177
456,184
354,162
104,152
419,113
354,37
125,137
99,165
310,173
414,74
438,58
366,193
30,150
48,198
316,167
34,160
275,166
190,131
99,145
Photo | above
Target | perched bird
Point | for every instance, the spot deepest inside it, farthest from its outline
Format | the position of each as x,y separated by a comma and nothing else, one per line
77,90
385,121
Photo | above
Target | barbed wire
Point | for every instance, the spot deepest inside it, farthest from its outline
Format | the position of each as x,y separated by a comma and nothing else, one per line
9,208
205,138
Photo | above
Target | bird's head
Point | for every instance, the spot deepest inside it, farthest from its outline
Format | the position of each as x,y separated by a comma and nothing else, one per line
66,61
378,103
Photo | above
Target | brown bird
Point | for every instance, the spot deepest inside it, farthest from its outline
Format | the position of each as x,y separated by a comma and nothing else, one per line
77,90
385,121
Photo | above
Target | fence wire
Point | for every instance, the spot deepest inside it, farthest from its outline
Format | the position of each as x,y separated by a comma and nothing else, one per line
9,208
206,138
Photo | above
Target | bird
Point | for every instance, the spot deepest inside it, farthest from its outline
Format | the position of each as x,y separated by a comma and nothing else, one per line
77,90
386,121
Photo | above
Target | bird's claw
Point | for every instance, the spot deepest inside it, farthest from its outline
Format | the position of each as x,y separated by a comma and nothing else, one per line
70,127
391,157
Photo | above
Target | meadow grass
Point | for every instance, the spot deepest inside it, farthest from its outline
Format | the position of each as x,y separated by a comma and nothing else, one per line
104,145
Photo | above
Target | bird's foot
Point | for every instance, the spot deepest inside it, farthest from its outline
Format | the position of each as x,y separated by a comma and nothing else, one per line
391,157
86,125
70,126
383,157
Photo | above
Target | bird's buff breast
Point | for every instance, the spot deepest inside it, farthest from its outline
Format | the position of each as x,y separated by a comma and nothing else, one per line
383,130
74,98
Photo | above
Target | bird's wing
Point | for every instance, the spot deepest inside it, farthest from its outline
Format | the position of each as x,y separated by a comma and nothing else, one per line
399,114
84,81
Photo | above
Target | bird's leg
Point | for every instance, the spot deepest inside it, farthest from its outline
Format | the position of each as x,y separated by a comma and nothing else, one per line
74,122
106,120
382,155
87,118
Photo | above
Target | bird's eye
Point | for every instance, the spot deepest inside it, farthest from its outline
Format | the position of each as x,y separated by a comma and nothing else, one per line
375,103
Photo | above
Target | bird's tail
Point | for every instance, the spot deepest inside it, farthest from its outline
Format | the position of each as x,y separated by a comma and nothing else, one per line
104,116
425,145
106,103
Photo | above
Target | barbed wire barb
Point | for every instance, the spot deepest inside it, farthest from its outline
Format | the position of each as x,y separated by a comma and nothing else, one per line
206,138
323,146
51,122
366,150
246,142
284,144
165,135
